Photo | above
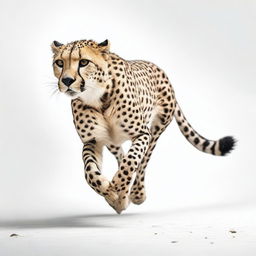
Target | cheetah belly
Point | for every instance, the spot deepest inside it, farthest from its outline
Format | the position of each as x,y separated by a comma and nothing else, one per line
116,134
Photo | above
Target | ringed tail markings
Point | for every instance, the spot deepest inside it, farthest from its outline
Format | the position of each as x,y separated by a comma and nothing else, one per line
219,147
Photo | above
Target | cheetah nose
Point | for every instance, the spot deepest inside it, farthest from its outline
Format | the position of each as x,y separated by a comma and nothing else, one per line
68,81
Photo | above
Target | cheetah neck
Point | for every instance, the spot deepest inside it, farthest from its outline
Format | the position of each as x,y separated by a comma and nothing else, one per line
92,95
101,95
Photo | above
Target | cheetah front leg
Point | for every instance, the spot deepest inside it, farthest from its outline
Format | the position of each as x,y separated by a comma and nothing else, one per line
92,155
129,163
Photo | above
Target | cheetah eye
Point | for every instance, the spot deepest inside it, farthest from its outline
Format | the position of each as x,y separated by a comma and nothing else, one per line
59,63
83,62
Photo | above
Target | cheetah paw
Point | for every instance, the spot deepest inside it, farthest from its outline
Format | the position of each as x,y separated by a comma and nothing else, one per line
111,196
137,199
121,204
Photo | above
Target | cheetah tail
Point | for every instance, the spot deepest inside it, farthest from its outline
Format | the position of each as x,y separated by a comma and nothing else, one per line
215,147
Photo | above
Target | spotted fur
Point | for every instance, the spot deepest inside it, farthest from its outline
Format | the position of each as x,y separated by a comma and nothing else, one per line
115,100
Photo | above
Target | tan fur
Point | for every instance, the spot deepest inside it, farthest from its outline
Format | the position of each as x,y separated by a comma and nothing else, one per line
114,100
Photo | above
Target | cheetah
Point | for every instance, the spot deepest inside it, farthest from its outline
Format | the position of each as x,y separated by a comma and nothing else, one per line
114,100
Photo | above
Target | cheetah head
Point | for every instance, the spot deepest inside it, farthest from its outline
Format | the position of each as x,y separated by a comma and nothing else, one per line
81,67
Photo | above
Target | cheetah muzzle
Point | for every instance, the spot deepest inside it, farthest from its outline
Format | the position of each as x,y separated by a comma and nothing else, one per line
115,100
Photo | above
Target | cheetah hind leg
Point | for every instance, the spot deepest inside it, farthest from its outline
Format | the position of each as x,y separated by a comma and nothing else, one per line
159,124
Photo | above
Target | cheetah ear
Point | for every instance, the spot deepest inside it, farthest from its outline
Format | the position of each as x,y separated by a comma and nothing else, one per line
56,46
104,46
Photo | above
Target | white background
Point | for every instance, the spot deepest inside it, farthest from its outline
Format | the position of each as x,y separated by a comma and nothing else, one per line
207,48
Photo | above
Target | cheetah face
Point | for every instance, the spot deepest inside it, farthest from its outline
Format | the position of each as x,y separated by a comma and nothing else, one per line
80,67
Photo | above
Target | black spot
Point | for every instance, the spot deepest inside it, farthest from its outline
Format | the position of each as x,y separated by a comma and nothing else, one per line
196,141
185,129
157,128
126,172
162,120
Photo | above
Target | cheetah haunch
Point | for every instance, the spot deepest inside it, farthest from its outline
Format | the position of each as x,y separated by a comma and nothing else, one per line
114,100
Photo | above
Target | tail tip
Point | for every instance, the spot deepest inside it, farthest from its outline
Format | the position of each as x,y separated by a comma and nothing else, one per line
226,145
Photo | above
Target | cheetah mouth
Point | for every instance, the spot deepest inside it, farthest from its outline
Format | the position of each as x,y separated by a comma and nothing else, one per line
70,92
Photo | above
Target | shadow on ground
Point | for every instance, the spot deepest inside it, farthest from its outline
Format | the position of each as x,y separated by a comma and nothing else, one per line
110,220
74,221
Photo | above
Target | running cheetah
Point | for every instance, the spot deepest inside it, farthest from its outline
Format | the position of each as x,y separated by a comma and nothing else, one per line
114,100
